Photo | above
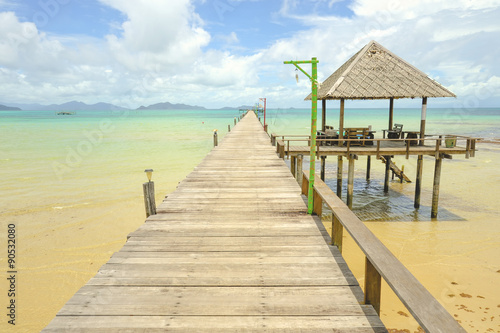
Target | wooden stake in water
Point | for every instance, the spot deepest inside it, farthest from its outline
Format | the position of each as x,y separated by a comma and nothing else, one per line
149,194
216,141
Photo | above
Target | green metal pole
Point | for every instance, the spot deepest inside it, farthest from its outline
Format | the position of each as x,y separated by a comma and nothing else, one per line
314,117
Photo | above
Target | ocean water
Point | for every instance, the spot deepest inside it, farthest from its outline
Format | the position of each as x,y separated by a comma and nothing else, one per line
72,186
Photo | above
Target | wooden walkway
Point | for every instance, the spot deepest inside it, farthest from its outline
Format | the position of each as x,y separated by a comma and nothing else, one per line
231,250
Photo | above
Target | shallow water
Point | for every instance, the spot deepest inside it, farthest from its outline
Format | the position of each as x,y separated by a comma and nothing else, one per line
72,186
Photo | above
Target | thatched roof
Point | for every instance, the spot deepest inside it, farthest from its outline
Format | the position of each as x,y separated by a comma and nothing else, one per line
376,73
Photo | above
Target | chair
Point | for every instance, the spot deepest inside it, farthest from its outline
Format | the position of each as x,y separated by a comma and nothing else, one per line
395,132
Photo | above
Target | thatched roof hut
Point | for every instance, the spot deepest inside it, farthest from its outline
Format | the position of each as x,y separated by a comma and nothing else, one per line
376,73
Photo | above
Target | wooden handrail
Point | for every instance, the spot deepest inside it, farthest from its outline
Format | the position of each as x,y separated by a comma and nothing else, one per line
380,262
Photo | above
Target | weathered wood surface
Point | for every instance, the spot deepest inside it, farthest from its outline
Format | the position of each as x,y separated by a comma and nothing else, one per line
231,250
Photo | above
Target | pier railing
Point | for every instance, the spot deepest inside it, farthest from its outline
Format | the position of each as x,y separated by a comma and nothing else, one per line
381,263
408,145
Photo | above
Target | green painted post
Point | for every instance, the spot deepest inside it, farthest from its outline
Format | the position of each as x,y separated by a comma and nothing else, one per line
314,116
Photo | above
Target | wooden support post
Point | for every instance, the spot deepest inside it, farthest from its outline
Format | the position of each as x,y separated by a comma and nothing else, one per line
387,170
323,165
317,204
350,181
339,176
341,122
299,177
435,187
229,128
216,142
391,112
149,198
293,167
265,128
368,166
338,231
422,120
373,286
418,182
323,115
235,120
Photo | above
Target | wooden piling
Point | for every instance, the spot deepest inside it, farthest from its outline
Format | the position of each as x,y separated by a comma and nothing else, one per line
323,165
350,181
300,159
229,128
149,198
234,120
339,176
418,182
216,141
293,167
435,187
368,166
387,170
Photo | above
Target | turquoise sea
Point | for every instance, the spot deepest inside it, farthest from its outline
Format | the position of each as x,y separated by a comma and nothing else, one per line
72,185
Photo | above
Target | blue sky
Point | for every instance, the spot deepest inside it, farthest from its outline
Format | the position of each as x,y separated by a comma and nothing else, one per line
230,52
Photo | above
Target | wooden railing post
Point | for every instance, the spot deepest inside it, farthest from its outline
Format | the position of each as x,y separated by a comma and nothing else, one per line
293,165
305,184
299,174
338,232
317,203
373,286
273,139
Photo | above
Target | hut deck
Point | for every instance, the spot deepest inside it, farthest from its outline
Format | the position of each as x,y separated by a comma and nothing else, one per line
231,250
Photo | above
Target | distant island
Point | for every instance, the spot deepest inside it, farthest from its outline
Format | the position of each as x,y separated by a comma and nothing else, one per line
80,106
9,108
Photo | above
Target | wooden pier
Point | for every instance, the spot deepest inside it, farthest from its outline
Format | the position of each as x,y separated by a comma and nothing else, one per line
231,250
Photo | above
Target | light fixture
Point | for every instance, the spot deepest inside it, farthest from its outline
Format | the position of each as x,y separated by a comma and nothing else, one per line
149,173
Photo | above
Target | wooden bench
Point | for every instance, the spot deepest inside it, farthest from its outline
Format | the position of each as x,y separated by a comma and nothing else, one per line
360,134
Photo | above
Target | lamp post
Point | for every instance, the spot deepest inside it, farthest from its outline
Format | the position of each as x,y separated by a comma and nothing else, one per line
264,100
314,116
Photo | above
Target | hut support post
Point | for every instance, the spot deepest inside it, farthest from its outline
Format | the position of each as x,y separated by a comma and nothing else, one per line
368,166
298,175
339,176
323,115
418,181
350,181
435,187
293,168
391,112
341,122
422,121
387,170
323,166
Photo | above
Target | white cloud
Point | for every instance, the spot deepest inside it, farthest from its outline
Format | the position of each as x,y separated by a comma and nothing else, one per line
163,53
157,35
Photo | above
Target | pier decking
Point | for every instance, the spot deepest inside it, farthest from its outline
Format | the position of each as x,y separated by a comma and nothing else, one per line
231,250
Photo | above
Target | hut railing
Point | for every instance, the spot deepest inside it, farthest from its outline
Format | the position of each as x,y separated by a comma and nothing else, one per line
381,263
469,144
